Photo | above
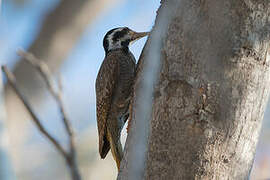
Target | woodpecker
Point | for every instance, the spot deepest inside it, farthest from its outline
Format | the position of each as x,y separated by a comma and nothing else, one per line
113,89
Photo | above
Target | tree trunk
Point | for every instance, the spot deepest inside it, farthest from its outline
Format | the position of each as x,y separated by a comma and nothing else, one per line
211,93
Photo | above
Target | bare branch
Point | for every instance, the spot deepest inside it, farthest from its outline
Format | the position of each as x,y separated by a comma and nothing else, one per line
45,73
60,83
12,81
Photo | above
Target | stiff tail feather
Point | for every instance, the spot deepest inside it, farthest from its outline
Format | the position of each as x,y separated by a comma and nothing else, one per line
116,149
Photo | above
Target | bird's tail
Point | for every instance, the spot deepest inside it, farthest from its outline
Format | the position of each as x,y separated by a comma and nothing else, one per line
116,149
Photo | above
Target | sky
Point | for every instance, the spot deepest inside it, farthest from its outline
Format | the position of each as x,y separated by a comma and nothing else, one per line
82,65
19,24
80,68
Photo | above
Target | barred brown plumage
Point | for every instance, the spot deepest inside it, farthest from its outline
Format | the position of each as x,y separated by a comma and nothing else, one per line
113,89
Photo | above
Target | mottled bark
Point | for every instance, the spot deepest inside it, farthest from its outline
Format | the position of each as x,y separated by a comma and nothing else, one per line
213,87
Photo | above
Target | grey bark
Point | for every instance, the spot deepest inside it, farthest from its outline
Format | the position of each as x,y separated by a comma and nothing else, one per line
210,98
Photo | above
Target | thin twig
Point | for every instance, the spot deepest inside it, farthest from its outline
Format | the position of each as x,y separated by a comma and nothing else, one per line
46,75
60,82
12,81
57,94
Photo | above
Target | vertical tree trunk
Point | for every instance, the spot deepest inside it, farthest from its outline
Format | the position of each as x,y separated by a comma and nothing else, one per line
213,87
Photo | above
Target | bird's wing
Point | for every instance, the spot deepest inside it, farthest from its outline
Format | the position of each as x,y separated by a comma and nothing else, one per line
105,84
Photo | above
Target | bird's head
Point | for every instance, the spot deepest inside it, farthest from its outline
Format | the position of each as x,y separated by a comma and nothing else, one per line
120,38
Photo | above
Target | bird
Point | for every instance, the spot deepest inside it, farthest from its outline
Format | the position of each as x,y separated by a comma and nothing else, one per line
113,89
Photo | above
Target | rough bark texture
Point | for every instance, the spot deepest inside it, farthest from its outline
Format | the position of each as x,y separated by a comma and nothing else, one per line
213,88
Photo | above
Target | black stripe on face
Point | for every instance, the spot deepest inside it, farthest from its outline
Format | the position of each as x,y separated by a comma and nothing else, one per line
116,35
119,34
105,44
125,43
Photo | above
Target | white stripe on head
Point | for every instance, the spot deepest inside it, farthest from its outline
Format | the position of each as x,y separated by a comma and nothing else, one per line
115,44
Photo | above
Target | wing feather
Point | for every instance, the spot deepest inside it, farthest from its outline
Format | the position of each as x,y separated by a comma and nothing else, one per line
105,84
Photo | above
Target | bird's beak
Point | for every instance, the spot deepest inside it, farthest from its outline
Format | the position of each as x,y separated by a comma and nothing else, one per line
137,35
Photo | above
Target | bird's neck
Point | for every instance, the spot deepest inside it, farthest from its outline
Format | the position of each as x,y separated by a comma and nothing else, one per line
123,49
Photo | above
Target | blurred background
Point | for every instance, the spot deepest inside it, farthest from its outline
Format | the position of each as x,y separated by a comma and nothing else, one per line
68,35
